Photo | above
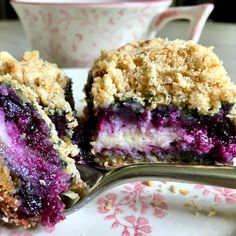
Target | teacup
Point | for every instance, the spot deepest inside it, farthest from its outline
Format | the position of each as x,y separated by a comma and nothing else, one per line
72,33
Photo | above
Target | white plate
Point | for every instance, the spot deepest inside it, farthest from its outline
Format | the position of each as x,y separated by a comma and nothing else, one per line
138,210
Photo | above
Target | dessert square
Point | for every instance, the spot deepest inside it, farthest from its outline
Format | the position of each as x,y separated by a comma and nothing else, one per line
160,101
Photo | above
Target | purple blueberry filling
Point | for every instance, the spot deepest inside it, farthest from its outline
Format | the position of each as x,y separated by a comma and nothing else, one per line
31,157
61,124
130,130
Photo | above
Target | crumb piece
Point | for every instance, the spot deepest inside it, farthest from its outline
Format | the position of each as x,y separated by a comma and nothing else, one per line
173,189
157,203
150,183
196,213
30,56
106,164
212,211
42,182
108,205
192,205
5,178
184,192
82,100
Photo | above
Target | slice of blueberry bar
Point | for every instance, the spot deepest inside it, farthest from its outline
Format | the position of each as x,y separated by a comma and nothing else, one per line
37,177
161,101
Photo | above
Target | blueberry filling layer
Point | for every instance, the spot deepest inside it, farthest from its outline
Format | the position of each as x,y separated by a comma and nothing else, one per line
61,124
132,132
29,154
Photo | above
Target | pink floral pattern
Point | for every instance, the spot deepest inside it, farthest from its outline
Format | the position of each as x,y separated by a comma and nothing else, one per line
220,195
136,209
31,19
135,197
83,31
100,28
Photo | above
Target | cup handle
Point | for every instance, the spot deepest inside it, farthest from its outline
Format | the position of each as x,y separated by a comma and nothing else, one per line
197,15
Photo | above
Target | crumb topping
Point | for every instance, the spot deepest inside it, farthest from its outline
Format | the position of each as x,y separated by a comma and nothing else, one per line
173,189
159,71
5,178
46,79
8,203
9,206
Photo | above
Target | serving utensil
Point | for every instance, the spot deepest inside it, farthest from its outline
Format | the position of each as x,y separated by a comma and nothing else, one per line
101,180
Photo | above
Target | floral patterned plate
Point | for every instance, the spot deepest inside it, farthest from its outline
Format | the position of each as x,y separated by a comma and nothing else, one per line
150,209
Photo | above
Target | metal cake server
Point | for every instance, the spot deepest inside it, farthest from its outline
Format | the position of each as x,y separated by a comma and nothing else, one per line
100,180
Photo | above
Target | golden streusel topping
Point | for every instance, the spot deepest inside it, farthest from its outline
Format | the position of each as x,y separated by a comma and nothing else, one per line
159,71
5,178
46,79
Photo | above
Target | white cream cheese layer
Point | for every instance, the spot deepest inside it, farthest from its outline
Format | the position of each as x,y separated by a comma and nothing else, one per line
4,137
128,139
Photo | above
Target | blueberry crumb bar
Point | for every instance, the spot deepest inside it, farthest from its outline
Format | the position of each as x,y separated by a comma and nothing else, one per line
161,101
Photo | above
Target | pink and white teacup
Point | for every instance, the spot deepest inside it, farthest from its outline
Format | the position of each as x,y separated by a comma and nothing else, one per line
72,33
